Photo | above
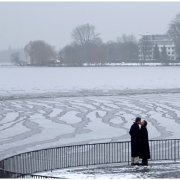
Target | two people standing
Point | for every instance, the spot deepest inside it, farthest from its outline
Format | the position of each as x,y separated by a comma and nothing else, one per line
139,142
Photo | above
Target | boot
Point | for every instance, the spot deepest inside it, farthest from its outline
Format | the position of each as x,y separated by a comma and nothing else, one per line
144,162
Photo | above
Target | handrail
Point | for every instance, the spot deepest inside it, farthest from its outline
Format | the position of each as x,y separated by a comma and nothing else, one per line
28,163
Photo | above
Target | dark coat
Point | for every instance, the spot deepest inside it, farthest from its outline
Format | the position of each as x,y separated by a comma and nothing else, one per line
135,140
144,144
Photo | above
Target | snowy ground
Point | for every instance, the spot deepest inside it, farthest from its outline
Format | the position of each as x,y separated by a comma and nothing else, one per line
154,170
47,107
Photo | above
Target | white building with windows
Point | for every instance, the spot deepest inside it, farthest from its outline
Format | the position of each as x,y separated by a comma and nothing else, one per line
148,42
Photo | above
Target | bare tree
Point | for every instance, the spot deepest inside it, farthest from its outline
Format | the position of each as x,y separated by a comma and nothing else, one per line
174,28
127,38
113,51
128,47
85,34
100,55
40,53
72,55
77,55
174,32
15,58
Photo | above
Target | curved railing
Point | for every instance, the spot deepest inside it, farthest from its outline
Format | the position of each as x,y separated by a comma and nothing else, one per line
26,164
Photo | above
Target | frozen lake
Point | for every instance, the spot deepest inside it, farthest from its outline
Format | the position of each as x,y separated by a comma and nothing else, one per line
46,107
21,80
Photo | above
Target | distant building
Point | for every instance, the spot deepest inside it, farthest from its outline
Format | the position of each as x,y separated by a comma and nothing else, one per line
148,42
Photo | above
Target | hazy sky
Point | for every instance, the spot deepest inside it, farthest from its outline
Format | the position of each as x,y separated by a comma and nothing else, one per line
53,22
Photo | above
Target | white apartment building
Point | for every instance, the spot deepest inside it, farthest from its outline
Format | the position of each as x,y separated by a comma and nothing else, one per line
148,42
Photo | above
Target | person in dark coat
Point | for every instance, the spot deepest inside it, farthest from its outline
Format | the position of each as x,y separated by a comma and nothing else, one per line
135,141
144,144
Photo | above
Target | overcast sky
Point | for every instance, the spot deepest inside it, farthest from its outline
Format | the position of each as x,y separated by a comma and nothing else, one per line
53,22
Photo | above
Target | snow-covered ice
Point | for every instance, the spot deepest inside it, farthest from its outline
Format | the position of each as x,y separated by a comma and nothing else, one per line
21,80
45,107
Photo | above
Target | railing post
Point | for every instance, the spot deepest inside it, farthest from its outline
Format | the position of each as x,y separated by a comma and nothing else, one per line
128,152
175,151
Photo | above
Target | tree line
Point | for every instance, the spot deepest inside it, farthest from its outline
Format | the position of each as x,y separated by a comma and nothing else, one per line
87,47
90,49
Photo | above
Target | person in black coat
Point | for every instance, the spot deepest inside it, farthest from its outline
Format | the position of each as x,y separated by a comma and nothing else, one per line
144,144
135,141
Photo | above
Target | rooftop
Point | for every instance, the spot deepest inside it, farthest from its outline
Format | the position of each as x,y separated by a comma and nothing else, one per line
156,37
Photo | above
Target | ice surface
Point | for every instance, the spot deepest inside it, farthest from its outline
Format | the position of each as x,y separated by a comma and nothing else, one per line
20,80
47,107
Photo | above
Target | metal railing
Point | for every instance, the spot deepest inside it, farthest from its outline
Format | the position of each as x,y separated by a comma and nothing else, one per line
26,164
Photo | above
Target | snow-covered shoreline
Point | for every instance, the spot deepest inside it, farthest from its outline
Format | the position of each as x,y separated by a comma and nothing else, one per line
109,64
